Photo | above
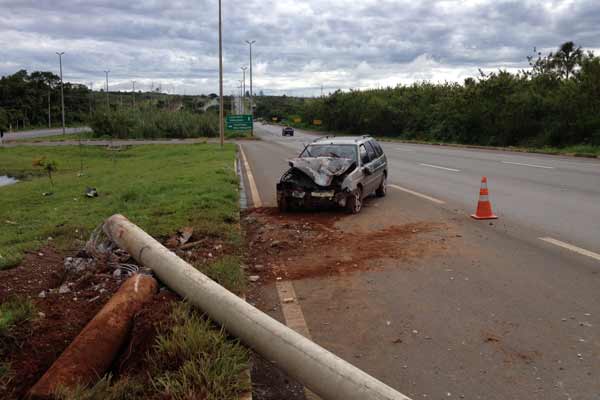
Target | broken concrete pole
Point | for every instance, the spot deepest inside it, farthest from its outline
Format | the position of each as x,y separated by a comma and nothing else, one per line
93,351
324,373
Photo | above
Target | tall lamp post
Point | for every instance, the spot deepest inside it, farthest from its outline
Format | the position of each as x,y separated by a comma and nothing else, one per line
62,93
107,100
250,43
221,116
133,92
244,89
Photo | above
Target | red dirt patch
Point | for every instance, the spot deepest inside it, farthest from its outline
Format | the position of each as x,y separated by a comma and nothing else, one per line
299,245
510,354
37,344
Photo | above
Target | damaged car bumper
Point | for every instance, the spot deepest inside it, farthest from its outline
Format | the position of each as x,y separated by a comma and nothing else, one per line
311,183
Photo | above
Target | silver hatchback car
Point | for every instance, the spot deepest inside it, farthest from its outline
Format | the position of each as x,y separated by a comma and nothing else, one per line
334,170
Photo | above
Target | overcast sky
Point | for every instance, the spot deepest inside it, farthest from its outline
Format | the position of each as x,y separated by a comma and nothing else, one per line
300,45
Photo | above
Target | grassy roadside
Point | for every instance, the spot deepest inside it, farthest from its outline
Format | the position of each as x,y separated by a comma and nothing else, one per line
161,189
14,311
90,136
575,151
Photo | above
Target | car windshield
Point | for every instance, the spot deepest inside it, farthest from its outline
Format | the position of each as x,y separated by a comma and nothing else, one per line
330,150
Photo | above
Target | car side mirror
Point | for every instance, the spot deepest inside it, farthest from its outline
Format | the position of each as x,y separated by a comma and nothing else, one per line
367,171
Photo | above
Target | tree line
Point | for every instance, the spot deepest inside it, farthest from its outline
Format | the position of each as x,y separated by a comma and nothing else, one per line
556,102
34,100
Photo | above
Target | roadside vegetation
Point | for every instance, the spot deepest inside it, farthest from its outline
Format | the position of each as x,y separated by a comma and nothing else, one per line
553,105
160,188
151,123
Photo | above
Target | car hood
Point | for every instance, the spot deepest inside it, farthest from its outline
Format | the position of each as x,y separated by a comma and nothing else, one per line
322,170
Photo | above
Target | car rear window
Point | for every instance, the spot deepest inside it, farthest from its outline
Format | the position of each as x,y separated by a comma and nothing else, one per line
377,147
330,150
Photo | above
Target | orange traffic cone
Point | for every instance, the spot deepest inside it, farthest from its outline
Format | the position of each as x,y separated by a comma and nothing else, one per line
484,207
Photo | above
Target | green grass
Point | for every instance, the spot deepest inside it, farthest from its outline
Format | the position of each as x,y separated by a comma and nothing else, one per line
160,188
13,311
190,360
226,271
193,360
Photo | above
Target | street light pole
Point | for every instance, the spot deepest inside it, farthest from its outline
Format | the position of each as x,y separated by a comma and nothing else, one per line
250,43
241,87
244,89
221,113
62,93
107,100
49,115
133,93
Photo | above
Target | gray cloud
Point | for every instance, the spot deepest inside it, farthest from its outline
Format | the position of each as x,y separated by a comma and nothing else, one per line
300,45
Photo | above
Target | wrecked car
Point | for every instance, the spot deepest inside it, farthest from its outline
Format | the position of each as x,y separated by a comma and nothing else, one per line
340,171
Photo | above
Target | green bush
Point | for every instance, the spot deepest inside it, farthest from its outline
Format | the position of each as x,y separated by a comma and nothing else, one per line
151,123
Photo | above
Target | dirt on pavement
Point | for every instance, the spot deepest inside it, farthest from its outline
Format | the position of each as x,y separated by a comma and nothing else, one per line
300,245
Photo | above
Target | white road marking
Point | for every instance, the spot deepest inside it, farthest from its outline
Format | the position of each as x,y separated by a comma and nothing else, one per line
438,167
575,249
256,201
527,165
294,317
424,196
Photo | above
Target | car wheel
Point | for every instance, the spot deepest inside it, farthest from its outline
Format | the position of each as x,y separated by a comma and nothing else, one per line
382,189
354,202
282,204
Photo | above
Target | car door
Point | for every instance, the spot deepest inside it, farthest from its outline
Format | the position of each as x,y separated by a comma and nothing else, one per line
366,155
378,162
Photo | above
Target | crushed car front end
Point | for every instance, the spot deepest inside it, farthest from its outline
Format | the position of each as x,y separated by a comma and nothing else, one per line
315,182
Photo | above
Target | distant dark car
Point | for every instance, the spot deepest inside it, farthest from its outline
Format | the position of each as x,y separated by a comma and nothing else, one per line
287,131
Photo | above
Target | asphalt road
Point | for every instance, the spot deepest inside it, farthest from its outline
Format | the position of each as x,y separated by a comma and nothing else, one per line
498,313
559,196
42,133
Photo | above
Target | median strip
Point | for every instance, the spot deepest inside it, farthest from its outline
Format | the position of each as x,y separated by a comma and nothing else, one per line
527,165
438,167
572,248
424,196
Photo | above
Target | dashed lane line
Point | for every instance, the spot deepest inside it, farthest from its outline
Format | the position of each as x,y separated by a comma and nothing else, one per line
256,201
527,165
440,167
572,248
421,195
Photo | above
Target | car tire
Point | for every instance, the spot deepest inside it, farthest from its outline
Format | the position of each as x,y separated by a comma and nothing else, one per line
354,202
382,189
282,204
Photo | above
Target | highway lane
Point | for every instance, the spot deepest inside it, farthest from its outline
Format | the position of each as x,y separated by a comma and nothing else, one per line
500,314
42,133
558,196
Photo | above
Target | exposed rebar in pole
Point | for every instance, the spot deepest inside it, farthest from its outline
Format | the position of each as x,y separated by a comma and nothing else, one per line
221,116
250,43
62,93
107,100
244,89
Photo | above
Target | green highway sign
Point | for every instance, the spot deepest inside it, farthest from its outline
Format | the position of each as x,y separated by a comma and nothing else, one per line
241,122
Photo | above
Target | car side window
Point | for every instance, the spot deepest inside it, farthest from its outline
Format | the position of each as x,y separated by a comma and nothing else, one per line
377,148
364,156
371,151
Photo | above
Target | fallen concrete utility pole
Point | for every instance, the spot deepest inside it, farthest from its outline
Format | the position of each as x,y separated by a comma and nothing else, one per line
321,371
94,350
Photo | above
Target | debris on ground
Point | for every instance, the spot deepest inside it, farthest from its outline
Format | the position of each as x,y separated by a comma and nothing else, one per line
299,245
91,192
181,237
